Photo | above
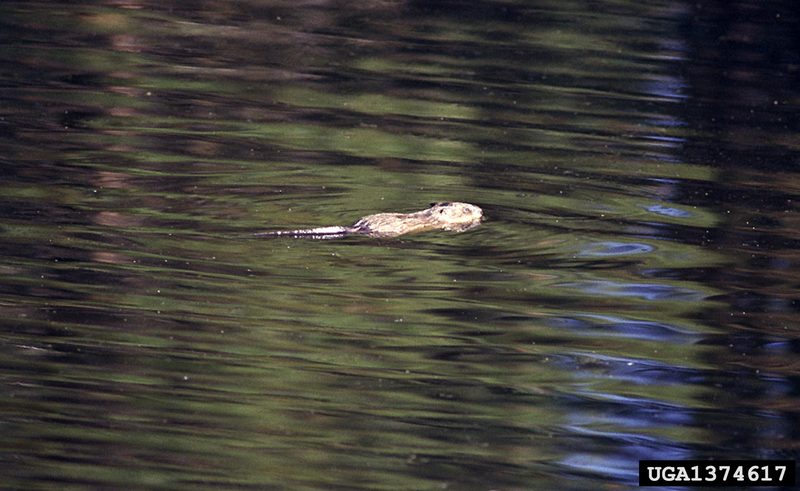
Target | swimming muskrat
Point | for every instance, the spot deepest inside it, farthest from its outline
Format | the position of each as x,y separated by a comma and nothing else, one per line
451,216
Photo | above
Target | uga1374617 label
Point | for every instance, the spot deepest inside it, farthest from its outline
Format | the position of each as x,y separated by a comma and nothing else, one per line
717,472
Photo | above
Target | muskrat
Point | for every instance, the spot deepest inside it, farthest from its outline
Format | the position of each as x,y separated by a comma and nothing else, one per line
451,216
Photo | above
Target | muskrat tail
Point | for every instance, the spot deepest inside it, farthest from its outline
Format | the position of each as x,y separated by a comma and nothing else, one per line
316,233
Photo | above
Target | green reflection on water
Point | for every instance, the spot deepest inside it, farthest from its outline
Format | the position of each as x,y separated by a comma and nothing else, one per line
374,104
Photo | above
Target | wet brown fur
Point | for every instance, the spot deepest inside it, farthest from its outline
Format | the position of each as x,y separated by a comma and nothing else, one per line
449,216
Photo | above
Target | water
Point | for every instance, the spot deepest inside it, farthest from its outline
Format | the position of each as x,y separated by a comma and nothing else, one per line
633,293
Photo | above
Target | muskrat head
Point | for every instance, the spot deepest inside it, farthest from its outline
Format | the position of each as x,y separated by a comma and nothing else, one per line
456,216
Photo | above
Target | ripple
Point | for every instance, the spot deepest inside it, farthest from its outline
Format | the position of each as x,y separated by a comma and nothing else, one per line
668,211
646,291
610,326
609,248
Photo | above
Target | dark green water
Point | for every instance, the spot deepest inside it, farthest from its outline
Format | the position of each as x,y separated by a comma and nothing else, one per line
633,293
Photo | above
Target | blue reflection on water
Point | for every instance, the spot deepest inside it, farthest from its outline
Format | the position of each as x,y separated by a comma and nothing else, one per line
625,428
668,211
646,291
612,326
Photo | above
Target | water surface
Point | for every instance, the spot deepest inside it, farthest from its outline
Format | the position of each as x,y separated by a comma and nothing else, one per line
633,293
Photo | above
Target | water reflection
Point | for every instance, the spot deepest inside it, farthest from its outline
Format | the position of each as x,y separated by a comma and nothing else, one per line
632,294
602,249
